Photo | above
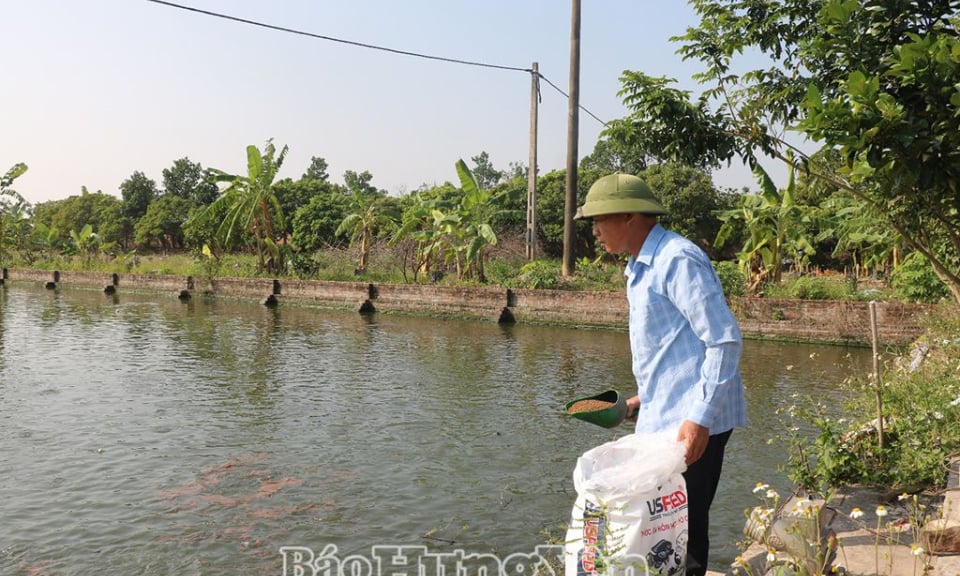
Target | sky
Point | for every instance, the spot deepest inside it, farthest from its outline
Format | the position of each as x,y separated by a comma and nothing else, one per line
95,90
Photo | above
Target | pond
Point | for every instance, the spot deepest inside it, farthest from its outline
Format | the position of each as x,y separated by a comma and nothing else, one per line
144,435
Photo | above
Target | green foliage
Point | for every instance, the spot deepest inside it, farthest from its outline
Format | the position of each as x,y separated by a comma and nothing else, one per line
832,287
775,227
915,280
162,225
370,215
815,457
137,193
317,170
731,278
486,175
249,206
551,200
296,194
872,82
614,155
446,227
692,201
102,212
543,274
14,218
190,181
921,408
315,224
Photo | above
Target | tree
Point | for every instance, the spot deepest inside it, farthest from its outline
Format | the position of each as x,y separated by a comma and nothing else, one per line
163,222
615,155
317,170
365,219
551,189
315,225
476,210
102,211
775,227
137,193
13,207
189,180
873,80
692,201
295,194
359,183
485,174
249,205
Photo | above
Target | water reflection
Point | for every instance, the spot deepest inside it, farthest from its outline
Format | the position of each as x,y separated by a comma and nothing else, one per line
144,434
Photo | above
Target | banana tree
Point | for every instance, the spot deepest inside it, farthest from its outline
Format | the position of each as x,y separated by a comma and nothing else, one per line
367,221
871,244
428,223
249,205
775,225
13,207
477,208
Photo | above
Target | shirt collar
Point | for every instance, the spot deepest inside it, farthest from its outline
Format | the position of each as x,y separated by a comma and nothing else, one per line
649,248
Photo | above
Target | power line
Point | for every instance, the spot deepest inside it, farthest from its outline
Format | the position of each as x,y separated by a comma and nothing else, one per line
365,45
555,87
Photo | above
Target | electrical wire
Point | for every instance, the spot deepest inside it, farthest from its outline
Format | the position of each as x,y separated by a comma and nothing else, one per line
370,46
555,87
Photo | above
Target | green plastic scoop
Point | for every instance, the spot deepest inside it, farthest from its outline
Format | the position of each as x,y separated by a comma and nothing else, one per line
607,409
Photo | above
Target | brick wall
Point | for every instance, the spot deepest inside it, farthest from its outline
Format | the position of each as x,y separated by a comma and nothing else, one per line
808,320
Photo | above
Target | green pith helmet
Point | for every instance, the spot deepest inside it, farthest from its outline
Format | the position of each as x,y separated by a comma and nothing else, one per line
620,194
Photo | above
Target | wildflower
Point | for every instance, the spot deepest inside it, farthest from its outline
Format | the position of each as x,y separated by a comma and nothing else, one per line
916,549
814,355
789,366
881,511
772,494
739,562
771,555
903,497
760,487
856,513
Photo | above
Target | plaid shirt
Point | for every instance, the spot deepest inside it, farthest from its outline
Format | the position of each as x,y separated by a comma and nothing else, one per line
685,341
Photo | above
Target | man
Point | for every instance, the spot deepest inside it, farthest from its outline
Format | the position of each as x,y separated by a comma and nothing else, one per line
685,341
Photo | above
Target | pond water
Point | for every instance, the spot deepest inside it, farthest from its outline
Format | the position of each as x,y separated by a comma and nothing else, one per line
144,435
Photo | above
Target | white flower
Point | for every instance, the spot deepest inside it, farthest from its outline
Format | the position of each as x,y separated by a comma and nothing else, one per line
771,555
903,497
772,494
856,513
916,549
881,511
760,487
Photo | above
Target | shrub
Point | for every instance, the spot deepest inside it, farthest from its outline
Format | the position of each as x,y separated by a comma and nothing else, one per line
813,288
538,274
731,278
921,407
915,280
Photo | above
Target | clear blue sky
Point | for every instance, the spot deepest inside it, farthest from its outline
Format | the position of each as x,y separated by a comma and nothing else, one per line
94,90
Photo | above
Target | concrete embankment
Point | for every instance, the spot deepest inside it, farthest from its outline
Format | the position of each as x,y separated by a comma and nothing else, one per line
845,322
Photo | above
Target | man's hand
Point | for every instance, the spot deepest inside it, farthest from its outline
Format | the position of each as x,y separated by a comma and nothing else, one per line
633,408
694,437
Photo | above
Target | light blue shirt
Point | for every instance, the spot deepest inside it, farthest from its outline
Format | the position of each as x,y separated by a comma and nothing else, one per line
685,341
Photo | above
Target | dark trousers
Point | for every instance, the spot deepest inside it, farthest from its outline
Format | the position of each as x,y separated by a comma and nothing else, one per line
702,478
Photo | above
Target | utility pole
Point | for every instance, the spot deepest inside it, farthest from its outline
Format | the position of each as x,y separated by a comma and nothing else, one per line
573,135
532,169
